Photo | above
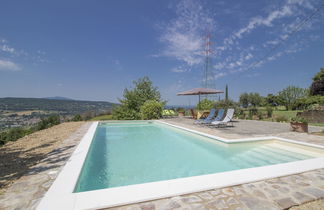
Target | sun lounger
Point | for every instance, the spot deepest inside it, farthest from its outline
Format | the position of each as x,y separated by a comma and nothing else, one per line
193,113
227,119
208,119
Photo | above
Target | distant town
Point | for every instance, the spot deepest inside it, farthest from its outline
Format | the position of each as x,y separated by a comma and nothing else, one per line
24,112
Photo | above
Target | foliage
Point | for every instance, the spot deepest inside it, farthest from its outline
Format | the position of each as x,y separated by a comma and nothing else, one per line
308,102
255,99
135,98
281,118
103,117
15,133
48,122
168,112
226,104
269,111
317,87
181,109
244,100
298,119
76,118
124,113
252,111
62,106
205,104
273,100
226,93
291,94
151,109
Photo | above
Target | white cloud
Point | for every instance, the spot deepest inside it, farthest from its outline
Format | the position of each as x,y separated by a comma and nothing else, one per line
183,35
179,70
6,48
9,66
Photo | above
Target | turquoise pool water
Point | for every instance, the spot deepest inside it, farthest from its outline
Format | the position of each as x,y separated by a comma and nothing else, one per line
132,153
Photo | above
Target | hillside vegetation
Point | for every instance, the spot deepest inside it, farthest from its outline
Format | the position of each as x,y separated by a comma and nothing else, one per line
62,106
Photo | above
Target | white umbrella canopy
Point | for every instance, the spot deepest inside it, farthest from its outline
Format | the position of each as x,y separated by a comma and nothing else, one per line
200,91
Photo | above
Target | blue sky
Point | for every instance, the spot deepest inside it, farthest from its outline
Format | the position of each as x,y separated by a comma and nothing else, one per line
92,50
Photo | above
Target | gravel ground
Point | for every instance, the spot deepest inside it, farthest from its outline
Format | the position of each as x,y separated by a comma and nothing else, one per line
314,205
16,157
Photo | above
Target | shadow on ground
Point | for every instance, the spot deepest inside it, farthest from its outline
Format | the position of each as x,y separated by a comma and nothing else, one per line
15,163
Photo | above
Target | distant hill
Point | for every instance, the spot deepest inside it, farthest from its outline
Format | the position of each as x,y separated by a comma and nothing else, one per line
60,106
59,98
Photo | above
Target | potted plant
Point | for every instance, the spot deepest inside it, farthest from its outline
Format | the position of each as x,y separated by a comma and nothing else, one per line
299,124
181,112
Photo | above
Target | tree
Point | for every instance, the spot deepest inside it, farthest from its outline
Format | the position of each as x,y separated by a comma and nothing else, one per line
205,104
134,98
290,95
244,100
255,99
317,87
273,100
226,93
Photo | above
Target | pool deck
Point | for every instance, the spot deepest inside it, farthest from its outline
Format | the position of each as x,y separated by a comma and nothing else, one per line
277,193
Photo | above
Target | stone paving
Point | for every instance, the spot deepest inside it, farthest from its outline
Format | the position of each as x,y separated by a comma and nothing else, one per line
252,128
277,193
27,192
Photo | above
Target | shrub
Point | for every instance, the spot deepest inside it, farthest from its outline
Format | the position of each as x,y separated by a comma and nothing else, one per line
252,111
76,118
260,115
48,122
269,111
281,118
226,104
123,113
205,104
298,119
180,109
13,134
151,109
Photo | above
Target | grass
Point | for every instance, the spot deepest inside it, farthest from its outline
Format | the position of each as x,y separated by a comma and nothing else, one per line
287,114
102,117
317,124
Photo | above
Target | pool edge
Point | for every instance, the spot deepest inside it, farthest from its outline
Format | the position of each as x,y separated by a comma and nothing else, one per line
60,195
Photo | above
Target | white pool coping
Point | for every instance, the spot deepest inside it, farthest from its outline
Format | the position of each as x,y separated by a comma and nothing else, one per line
61,196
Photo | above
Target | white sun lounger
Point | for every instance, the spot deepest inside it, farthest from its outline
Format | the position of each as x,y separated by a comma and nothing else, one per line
227,119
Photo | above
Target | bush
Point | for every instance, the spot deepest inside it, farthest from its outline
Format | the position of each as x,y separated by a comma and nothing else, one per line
48,122
76,118
260,115
13,134
308,102
151,109
269,111
281,118
252,111
124,113
205,104
298,119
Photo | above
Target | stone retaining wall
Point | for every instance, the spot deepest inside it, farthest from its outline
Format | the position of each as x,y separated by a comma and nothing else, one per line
313,116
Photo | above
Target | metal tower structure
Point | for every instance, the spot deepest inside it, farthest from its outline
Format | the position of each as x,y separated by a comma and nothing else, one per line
208,76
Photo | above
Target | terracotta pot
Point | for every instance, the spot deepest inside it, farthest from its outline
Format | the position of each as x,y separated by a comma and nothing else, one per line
299,127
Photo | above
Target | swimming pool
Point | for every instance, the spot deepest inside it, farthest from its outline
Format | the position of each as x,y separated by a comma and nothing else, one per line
128,162
134,153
